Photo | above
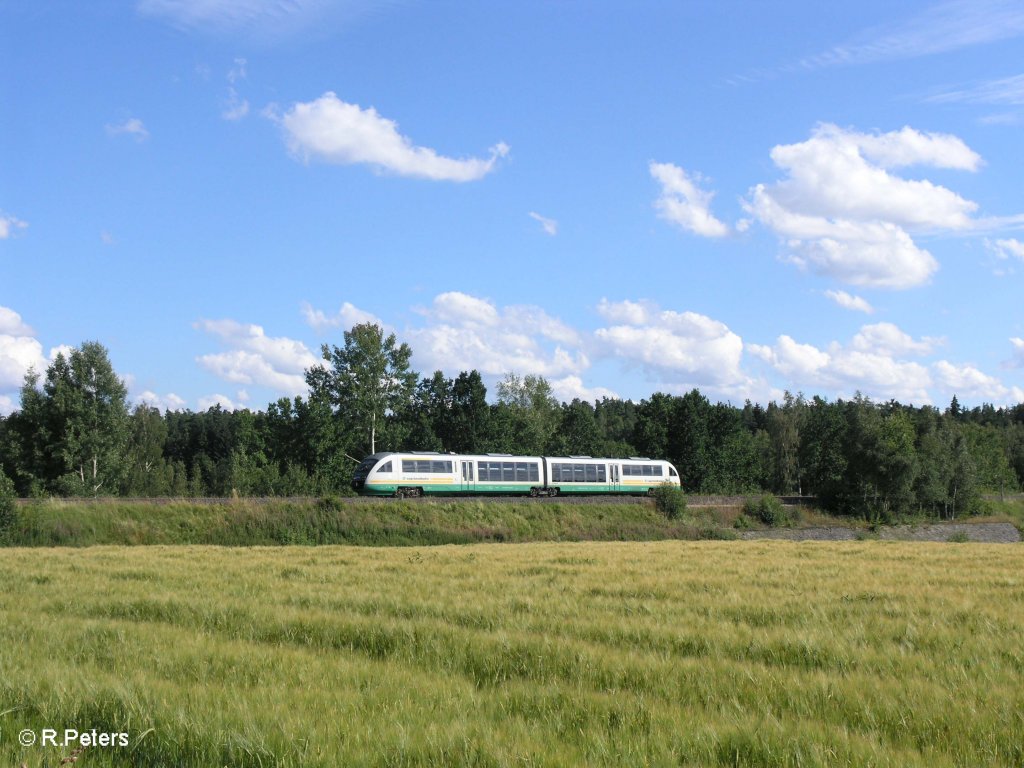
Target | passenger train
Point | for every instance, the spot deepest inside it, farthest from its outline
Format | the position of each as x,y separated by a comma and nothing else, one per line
420,473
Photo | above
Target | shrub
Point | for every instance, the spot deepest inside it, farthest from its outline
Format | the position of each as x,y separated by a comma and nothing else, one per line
769,510
7,508
670,501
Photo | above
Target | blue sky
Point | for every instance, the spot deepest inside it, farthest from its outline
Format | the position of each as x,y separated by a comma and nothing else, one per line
625,198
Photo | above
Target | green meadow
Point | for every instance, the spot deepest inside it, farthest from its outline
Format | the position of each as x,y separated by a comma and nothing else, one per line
556,654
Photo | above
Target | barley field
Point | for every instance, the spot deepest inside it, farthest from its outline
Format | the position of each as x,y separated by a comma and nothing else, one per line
606,654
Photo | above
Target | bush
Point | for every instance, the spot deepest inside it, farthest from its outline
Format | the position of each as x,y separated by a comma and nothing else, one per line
670,501
7,506
769,510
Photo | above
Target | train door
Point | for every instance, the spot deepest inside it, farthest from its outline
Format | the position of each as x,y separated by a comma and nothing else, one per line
613,476
468,476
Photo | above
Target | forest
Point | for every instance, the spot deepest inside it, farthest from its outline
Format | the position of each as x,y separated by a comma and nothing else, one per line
76,434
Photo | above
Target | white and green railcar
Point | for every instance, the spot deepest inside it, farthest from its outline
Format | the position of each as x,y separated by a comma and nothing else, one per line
419,473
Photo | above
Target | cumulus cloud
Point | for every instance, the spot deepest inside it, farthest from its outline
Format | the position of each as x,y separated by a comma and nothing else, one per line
464,332
847,301
17,355
683,202
19,351
348,315
333,131
878,362
12,324
678,349
842,212
873,363
226,403
131,127
9,225
255,358
887,339
550,226
969,382
569,388
168,402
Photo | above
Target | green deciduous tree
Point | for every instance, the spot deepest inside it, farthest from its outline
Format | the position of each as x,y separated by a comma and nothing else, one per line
78,423
368,382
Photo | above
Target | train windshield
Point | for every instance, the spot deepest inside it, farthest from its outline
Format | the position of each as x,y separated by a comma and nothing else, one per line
365,466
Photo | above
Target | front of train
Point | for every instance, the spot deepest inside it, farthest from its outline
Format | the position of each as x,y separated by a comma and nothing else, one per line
363,471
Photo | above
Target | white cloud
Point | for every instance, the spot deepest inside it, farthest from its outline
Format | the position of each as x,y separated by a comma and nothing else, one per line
465,333
1017,361
969,382
683,202
947,26
168,402
1004,249
681,349
226,403
18,353
235,107
335,131
841,212
569,388
11,323
847,301
872,363
887,339
227,14
347,316
548,225
131,127
239,71
9,226
844,174
1003,91
255,358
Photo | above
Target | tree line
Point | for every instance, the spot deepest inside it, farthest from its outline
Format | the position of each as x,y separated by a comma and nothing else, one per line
75,435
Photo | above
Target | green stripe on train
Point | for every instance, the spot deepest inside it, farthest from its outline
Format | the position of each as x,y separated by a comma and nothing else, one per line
388,489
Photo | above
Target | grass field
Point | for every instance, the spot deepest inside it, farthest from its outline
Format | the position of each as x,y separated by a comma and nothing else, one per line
666,653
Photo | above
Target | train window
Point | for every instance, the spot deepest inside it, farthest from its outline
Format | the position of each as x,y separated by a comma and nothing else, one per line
427,466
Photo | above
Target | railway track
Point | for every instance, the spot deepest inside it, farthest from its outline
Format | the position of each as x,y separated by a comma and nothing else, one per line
158,501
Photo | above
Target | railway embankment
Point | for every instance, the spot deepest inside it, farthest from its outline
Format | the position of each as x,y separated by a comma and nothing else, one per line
988,533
